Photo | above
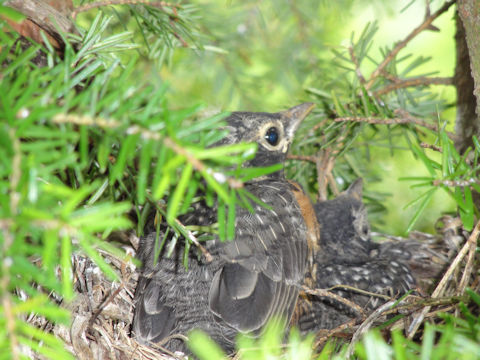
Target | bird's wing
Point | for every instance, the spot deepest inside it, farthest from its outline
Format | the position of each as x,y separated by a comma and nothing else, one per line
152,320
264,264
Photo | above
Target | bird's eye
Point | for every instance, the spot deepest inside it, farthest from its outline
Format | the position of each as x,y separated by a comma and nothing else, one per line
365,229
272,136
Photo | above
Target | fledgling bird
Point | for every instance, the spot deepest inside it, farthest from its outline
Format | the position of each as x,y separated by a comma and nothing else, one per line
348,257
252,278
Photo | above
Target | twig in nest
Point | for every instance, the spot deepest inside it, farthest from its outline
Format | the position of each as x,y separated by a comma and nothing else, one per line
393,53
329,294
323,338
467,272
439,290
367,324
416,81
413,306
104,304
360,291
97,4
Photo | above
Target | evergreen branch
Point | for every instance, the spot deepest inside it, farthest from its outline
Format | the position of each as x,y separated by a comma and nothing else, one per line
357,65
439,290
177,35
7,242
197,164
393,53
416,81
455,183
194,240
97,4
405,119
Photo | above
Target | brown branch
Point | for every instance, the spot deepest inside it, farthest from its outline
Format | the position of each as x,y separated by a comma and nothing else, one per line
357,65
42,14
439,290
324,165
468,10
466,124
97,4
432,147
312,159
391,55
416,81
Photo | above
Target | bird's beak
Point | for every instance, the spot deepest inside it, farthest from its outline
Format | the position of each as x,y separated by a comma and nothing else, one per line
295,116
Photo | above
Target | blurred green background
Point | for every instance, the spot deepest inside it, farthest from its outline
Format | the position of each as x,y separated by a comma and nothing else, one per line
263,55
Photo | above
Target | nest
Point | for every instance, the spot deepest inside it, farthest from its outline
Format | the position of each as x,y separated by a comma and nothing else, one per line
102,310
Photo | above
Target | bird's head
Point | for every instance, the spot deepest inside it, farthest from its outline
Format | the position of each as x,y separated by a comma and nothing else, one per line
272,132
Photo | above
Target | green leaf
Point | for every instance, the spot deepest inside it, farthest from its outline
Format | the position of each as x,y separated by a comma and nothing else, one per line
467,213
427,196
144,169
178,194
103,152
127,152
428,342
203,347
231,216
221,211
473,295
12,14
222,193
399,345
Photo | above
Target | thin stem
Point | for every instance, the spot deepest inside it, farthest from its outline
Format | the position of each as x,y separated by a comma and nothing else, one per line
391,55
98,4
416,81
146,134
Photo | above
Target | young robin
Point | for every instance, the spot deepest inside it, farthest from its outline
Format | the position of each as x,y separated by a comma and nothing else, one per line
251,279
348,257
